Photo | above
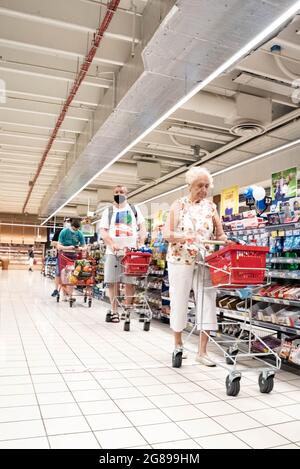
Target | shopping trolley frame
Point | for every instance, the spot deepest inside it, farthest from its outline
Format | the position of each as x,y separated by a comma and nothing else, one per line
142,309
236,349
65,261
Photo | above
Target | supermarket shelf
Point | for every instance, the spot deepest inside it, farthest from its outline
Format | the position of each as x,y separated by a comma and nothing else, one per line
283,226
265,325
285,260
230,314
277,300
284,274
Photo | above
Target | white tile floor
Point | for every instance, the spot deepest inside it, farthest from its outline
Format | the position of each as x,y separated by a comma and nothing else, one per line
70,380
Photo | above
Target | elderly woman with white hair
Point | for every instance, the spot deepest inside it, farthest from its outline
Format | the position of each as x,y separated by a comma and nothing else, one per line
192,221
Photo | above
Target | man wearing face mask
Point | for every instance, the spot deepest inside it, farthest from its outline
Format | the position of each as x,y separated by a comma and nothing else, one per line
54,242
122,226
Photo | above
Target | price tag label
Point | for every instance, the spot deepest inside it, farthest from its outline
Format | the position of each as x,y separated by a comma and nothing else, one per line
281,233
274,234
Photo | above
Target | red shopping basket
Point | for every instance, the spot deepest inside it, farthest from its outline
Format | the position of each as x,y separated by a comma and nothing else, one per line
136,263
240,265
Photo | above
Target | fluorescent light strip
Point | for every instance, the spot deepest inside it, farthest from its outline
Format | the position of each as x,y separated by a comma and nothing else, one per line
230,168
241,53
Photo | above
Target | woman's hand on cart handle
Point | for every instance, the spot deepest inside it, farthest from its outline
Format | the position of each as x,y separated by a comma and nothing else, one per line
217,242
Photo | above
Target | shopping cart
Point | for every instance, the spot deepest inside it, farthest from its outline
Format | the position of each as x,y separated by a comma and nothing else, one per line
76,271
135,263
241,270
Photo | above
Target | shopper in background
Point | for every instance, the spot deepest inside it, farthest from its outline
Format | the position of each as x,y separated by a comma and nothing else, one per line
122,226
54,242
30,258
192,220
70,239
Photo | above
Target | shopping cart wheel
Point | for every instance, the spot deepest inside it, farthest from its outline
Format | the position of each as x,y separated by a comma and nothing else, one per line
142,317
232,354
57,298
233,385
266,382
90,303
177,359
85,298
147,326
126,326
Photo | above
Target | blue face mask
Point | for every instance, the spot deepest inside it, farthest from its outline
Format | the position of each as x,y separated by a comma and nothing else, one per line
67,224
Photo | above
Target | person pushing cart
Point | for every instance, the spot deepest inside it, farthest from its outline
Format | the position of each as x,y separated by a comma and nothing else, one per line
122,226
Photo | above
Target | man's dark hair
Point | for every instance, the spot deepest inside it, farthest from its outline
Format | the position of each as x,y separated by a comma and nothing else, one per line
76,223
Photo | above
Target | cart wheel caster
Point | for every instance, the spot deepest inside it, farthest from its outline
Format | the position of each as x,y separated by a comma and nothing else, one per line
232,354
142,317
147,326
177,359
71,304
266,383
90,303
57,298
108,317
233,386
126,326
85,299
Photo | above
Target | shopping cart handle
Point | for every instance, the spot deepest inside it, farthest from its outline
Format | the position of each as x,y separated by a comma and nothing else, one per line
215,242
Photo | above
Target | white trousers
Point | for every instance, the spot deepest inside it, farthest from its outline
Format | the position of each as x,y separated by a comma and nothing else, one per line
182,279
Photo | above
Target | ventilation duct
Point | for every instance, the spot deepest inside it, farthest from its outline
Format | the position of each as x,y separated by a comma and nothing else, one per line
247,114
148,171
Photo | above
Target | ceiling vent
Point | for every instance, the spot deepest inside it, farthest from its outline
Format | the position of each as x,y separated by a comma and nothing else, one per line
247,128
148,171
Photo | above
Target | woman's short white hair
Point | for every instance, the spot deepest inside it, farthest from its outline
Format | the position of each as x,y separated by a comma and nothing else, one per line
194,173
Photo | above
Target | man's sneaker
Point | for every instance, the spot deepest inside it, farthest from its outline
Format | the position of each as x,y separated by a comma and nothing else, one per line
55,293
204,360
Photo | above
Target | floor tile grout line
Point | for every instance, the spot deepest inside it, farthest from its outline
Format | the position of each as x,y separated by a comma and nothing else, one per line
82,415
152,403
117,347
21,339
116,405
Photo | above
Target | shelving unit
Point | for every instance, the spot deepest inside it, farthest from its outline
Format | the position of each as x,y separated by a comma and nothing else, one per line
18,255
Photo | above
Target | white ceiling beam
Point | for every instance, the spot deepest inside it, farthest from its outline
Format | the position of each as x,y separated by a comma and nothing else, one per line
38,143
58,90
54,63
52,157
264,65
68,77
38,121
36,137
27,147
31,35
72,15
19,93
14,125
33,107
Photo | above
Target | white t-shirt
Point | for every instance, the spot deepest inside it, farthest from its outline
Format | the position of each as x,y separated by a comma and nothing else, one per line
123,228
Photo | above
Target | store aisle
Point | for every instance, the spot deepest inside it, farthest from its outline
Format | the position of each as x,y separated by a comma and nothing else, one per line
70,380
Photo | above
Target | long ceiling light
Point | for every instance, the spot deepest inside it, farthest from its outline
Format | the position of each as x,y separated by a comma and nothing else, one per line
226,65
230,168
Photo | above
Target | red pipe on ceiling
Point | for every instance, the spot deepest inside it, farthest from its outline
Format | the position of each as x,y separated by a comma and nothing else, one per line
111,9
